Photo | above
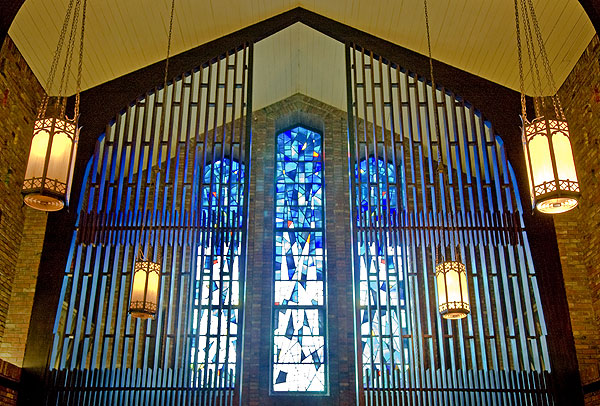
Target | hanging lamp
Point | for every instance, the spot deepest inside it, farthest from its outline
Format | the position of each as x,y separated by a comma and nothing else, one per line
452,289
51,160
145,285
144,292
553,183
450,275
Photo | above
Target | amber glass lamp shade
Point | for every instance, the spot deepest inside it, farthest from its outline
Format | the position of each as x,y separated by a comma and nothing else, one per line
144,291
453,295
51,161
553,182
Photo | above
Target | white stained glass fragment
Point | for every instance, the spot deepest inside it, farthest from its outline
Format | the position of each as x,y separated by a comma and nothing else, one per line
298,378
305,320
309,294
289,350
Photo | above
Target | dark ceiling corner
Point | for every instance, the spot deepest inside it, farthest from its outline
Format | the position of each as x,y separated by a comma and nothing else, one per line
592,9
8,11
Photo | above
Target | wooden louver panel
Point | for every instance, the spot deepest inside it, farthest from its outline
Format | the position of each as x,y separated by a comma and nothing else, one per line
409,354
182,191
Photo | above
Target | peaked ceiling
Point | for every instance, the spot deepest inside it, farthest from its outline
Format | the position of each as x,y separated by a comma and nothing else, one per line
476,36
303,64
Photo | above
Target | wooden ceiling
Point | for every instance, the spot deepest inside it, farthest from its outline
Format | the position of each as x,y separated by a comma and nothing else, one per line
299,59
476,36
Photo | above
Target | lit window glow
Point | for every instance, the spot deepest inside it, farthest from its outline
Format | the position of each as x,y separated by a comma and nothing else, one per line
383,313
217,295
299,340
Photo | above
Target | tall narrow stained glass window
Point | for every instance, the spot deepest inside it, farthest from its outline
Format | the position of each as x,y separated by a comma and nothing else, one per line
216,291
299,307
383,313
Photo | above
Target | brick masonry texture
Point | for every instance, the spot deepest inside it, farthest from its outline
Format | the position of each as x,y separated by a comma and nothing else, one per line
10,373
299,109
592,398
12,346
20,96
578,232
17,112
8,396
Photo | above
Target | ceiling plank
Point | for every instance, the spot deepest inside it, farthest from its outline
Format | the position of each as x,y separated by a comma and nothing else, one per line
474,36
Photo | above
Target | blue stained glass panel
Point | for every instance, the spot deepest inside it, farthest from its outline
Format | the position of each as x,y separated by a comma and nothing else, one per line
223,182
378,193
217,289
299,337
383,311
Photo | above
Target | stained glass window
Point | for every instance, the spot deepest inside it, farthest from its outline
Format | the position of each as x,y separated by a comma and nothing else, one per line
383,314
299,329
216,300
378,195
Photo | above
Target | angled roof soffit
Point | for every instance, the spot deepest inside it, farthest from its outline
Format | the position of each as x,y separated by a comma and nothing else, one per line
121,91
122,37
10,8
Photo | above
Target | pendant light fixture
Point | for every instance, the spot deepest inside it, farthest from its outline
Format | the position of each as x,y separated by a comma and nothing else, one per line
450,275
54,145
553,182
145,285
144,292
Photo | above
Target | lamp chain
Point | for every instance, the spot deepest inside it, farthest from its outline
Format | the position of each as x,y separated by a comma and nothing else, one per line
73,8
439,252
168,52
445,184
558,110
80,65
529,20
55,60
429,44
161,128
143,250
543,54
64,80
536,77
520,55
433,85
69,58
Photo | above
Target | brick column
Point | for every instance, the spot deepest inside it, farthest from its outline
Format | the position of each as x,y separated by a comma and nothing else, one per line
578,232
12,347
9,380
259,281
21,234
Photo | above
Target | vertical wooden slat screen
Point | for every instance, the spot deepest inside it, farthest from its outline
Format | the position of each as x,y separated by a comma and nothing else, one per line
183,192
498,354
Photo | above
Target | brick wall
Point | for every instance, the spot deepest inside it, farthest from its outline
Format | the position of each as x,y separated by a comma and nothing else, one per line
20,96
12,346
592,398
578,232
9,378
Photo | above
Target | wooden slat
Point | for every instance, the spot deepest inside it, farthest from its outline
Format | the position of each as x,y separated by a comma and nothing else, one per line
113,358
487,357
